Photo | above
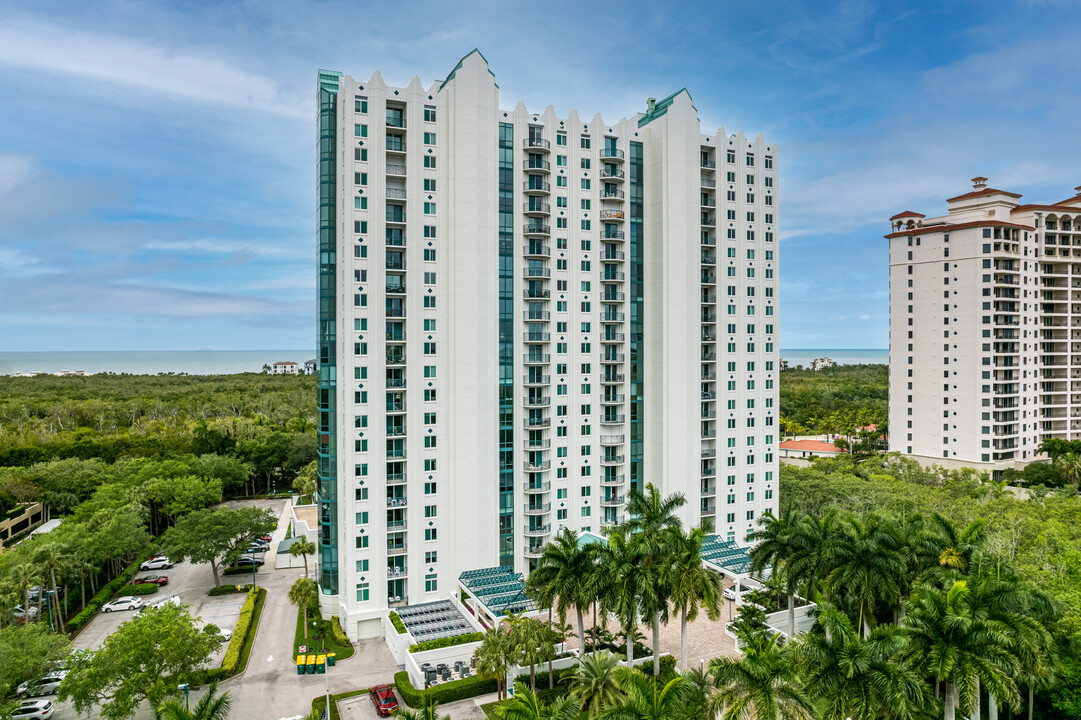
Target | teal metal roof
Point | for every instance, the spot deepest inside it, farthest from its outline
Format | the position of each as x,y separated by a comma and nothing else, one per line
474,50
661,107
588,538
726,554
328,80
500,589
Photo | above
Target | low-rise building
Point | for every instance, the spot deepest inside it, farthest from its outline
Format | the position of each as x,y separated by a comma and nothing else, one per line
808,448
287,367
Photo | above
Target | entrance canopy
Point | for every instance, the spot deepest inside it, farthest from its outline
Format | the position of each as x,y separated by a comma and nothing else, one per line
498,590
725,557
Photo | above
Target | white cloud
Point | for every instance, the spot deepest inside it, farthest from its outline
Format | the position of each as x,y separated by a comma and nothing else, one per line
186,73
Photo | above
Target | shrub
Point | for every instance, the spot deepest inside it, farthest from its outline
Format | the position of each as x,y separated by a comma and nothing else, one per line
232,655
140,589
228,590
340,638
397,623
542,677
444,692
668,668
445,642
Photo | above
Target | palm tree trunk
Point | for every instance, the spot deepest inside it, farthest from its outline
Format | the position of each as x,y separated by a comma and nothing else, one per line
683,639
581,630
56,597
533,678
305,623
791,616
992,707
976,708
656,643
305,556
596,640
551,680
1030,702
630,646
951,702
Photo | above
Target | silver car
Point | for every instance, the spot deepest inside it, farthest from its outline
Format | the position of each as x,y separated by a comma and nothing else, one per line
46,685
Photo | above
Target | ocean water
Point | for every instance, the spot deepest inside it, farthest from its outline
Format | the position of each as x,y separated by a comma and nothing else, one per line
194,362
219,362
801,356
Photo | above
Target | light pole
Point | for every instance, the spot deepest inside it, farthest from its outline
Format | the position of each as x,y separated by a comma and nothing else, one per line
326,674
253,568
184,687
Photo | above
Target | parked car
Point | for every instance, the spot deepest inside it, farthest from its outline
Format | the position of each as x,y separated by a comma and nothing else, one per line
33,709
21,614
266,538
152,579
45,685
127,602
737,592
383,698
255,548
158,563
248,561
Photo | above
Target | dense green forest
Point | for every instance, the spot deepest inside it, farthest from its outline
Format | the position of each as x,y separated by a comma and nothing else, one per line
1037,535
834,400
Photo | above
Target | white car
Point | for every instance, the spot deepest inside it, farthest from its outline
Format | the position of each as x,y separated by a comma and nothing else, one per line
33,709
46,685
737,593
21,614
125,603
158,563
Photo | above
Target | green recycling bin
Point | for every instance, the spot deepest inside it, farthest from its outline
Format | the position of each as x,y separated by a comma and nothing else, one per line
320,664
330,659
301,662
311,664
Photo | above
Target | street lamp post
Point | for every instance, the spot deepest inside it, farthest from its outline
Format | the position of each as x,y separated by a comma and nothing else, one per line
184,687
253,568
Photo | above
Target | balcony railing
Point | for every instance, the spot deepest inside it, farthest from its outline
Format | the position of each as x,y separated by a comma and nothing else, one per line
537,187
612,174
536,165
534,142
611,153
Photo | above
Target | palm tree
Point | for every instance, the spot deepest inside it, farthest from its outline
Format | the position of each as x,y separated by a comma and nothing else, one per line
814,551
652,520
952,640
51,553
532,644
692,585
1070,467
428,712
525,706
594,682
777,541
956,547
763,684
867,569
628,582
856,678
26,575
302,547
563,574
211,706
645,698
494,657
303,593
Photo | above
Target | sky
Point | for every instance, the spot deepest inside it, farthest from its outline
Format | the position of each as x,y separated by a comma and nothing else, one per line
157,160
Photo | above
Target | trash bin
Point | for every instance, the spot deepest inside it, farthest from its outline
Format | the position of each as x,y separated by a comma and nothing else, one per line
301,662
330,659
320,664
310,661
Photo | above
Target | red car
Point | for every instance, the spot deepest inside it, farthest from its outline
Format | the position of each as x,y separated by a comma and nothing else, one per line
153,580
384,700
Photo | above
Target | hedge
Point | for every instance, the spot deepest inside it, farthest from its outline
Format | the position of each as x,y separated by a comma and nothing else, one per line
396,621
240,634
443,692
446,642
340,638
228,590
668,667
140,589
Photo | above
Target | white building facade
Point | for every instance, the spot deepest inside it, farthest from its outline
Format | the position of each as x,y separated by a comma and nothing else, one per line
523,316
985,329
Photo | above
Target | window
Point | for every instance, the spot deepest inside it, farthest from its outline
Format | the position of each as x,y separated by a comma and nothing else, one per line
585,184
429,208
429,138
429,466
431,534
360,130
429,186
561,138
362,588
585,142
561,181
429,113
362,518
360,154
585,204
587,511
361,494
585,163
431,557
360,105
429,255
431,583
429,161
362,542
430,511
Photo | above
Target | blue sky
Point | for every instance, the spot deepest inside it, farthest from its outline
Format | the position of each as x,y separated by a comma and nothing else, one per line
157,164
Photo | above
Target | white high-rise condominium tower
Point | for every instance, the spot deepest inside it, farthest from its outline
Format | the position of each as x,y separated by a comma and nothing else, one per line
985,329
523,316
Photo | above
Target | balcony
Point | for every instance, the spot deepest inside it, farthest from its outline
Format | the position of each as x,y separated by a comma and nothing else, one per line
536,315
534,551
535,143
534,488
536,359
394,550
534,401
396,431
395,571
613,419
613,317
709,221
611,154
613,276
398,382
534,294
395,289
614,358
612,215
536,379
395,359
708,202
613,379
395,264
608,440
612,256
613,480
613,500
395,478
537,187
536,423
613,459
612,337
610,234
708,183
612,521
397,502
540,208
395,169
612,174
613,399
537,530
396,193
537,229
534,272
536,165
613,297
395,143
536,466
709,453
612,195
536,337
709,164
537,509
538,443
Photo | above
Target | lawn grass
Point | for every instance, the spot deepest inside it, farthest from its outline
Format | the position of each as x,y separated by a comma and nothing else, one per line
245,649
326,638
489,708
319,703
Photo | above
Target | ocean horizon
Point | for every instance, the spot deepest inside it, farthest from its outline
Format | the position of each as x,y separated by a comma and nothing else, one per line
227,362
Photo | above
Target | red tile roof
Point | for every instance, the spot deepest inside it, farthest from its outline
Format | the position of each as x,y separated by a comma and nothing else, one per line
928,229
982,193
907,213
810,446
